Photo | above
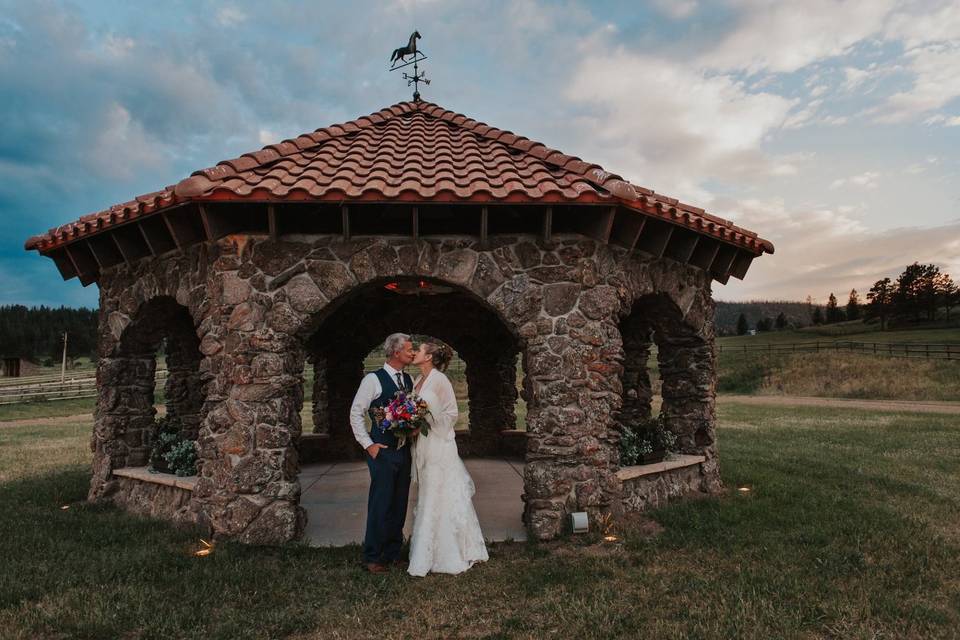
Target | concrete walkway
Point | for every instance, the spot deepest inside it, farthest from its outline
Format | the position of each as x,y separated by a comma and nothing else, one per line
335,497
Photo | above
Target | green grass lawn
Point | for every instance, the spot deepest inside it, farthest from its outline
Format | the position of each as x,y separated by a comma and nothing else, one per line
851,529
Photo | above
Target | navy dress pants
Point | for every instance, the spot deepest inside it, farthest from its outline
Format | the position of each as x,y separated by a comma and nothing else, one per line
387,504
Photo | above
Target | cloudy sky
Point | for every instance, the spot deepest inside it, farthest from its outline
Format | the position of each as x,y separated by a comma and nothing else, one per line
830,127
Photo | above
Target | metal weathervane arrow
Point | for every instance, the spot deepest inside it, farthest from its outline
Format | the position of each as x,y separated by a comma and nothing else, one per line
398,60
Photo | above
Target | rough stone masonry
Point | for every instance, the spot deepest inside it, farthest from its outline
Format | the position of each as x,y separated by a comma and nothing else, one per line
241,317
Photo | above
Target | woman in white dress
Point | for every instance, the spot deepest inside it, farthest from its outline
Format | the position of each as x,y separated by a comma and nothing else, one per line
446,534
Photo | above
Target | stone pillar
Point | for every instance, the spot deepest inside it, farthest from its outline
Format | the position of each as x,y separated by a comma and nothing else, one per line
637,391
123,418
688,391
184,387
492,392
321,396
573,389
689,395
248,488
343,376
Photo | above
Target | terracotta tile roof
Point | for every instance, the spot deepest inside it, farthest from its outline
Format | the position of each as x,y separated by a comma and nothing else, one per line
412,151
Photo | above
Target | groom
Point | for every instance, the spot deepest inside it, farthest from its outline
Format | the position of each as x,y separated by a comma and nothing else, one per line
389,466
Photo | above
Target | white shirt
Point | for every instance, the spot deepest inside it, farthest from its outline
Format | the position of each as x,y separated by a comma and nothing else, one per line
369,391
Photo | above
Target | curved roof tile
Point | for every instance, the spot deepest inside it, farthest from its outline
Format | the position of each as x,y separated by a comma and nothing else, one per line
416,149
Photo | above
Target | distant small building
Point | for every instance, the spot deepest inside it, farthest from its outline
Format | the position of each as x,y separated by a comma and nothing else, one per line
18,367
752,332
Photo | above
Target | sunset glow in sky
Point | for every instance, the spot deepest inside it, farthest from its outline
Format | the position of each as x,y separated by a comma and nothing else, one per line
831,128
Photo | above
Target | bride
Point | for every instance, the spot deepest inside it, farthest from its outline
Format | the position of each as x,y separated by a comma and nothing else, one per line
446,534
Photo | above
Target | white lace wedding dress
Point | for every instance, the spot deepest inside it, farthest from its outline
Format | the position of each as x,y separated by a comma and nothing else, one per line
446,535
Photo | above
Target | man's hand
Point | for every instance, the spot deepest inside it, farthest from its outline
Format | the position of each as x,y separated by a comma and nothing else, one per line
374,450
415,433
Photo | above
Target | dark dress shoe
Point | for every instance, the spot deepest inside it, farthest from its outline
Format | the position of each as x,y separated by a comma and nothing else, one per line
399,564
376,567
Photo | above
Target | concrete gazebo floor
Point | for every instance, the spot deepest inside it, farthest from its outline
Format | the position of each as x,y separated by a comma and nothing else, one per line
335,497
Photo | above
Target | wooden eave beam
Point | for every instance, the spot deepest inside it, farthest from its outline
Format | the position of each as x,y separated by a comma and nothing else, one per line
173,232
484,225
655,237
415,220
720,269
602,225
105,250
83,262
64,264
682,245
102,262
548,225
345,217
627,227
146,239
741,263
157,235
131,243
704,253
272,222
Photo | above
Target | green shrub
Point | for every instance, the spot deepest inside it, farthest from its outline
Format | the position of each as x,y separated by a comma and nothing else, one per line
171,452
643,438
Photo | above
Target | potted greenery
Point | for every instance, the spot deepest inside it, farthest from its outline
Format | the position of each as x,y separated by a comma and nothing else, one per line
645,442
171,452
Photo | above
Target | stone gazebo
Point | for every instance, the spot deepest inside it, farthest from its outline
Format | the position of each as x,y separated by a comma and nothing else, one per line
415,219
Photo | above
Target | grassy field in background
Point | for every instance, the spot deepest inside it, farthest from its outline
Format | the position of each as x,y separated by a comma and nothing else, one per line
839,374
851,529
848,331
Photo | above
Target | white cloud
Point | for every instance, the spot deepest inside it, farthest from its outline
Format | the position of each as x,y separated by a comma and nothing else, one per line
936,70
230,16
265,136
819,250
787,36
916,28
659,120
676,9
854,77
867,180
122,146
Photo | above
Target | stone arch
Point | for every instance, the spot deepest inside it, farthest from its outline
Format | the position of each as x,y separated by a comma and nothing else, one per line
126,374
359,321
686,363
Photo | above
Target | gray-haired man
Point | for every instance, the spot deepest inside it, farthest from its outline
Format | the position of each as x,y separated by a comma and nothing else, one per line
389,466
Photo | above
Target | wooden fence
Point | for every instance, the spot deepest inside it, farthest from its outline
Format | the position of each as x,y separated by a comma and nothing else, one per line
84,384
49,387
888,349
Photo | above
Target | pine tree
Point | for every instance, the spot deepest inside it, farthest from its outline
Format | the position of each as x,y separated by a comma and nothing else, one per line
947,292
742,326
833,312
853,305
781,322
817,317
881,297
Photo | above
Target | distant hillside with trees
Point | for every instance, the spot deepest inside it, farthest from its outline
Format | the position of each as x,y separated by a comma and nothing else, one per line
37,333
792,314
920,294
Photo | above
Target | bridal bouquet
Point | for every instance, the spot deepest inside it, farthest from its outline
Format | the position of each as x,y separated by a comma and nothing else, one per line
403,415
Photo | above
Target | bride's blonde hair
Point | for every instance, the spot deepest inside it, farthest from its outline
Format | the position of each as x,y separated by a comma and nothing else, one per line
441,352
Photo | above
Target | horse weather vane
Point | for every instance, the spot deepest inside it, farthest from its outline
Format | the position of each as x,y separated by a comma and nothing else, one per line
398,60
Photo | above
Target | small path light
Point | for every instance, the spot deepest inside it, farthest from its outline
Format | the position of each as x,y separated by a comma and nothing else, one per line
205,550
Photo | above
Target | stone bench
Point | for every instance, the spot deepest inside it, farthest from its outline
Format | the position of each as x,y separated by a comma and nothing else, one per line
157,495
649,486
